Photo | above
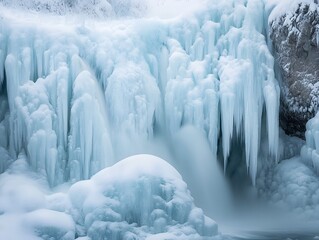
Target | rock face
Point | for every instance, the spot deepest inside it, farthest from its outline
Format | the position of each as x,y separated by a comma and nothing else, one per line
295,39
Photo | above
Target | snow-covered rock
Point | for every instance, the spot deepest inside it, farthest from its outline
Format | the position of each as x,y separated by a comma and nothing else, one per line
139,196
294,32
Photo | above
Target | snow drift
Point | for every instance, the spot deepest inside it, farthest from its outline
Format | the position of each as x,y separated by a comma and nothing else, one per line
139,197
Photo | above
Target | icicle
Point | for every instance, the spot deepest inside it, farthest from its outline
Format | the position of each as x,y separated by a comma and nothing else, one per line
90,147
310,151
105,89
2,57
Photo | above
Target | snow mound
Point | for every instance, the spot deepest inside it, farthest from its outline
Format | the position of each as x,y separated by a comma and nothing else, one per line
137,197
26,211
279,8
292,186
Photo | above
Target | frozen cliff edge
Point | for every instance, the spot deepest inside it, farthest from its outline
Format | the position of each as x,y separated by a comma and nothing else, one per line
141,197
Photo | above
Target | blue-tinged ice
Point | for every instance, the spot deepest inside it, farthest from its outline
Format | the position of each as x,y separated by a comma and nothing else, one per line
141,197
81,96
310,151
138,197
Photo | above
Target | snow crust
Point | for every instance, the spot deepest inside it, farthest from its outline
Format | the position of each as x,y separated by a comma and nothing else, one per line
279,8
109,9
83,95
140,197
292,186
26,209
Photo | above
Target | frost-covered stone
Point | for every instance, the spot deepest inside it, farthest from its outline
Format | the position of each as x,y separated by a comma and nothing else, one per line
295,37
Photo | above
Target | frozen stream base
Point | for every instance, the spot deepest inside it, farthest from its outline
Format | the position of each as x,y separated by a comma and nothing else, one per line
141,197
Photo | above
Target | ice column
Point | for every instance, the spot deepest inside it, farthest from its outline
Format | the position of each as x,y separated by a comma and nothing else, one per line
310,151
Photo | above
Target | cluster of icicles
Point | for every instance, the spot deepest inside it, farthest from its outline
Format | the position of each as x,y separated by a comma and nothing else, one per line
79,96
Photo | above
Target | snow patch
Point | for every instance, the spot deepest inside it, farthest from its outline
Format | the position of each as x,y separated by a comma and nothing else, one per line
279,8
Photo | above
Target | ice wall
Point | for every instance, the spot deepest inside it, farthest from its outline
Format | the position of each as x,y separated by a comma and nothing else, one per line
82,93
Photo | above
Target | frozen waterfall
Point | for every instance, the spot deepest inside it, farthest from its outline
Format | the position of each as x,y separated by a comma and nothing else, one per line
77,97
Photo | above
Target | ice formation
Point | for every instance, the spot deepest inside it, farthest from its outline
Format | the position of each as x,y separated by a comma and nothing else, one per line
82,96
310,151
138,196
141,197
28,210
90,84
292,186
